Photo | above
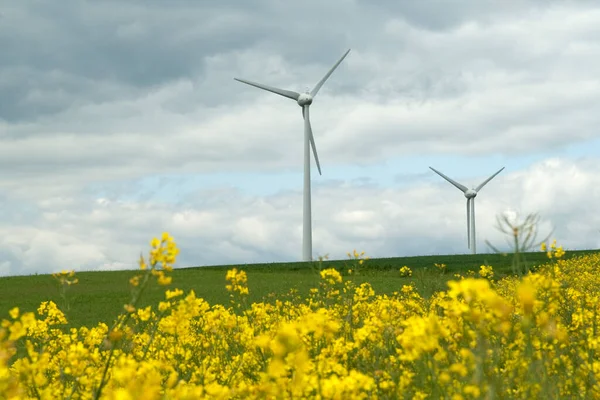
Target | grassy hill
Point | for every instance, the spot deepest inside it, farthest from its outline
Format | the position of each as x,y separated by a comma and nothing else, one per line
100,296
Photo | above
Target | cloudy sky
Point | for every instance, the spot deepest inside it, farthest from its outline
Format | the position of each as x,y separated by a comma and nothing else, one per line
121,119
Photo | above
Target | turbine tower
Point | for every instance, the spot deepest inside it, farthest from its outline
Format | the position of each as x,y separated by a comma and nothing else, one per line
304,100
470,195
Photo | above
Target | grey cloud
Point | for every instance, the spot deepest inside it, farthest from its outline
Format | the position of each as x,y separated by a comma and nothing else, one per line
54,50
141,46
62,49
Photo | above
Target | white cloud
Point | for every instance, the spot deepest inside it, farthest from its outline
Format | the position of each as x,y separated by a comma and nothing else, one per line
425,218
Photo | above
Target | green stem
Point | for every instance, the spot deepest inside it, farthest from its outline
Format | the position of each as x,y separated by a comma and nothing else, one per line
118,323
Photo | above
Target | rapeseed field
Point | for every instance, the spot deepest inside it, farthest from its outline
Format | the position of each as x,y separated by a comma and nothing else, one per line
534,336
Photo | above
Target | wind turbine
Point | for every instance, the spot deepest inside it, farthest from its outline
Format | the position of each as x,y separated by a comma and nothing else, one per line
304,100
470,195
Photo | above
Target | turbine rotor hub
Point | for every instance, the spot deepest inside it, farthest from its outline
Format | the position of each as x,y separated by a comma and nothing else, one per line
470,193
305,99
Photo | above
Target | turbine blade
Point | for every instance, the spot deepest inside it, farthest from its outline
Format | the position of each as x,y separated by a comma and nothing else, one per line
469,223
487,180
458,185
315,90
311,138
286,93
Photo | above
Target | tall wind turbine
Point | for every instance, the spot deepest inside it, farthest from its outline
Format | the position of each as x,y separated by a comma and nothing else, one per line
304,100
470,195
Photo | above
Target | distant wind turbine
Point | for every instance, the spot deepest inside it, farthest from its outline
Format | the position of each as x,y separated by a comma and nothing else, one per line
304,100
470,195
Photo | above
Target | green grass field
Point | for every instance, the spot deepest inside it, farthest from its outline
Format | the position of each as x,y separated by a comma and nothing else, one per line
100,296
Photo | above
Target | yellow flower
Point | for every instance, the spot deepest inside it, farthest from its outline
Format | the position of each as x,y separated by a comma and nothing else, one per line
445,377
14,313
526,294
164,280
115,335
459,369
142,263
134,281
238,281
122,394
145,313
17,330
486,271
406,289
554,251
173,293
331,276
472,390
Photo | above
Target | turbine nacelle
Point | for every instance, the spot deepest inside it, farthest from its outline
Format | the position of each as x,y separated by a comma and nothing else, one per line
470,193
305,99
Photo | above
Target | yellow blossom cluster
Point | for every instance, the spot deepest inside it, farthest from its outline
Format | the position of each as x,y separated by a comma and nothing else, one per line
440,267
66,277
163,254
358,260
405,271
486,271
238,281
360,257
534,337
553,251
331,276
330,285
